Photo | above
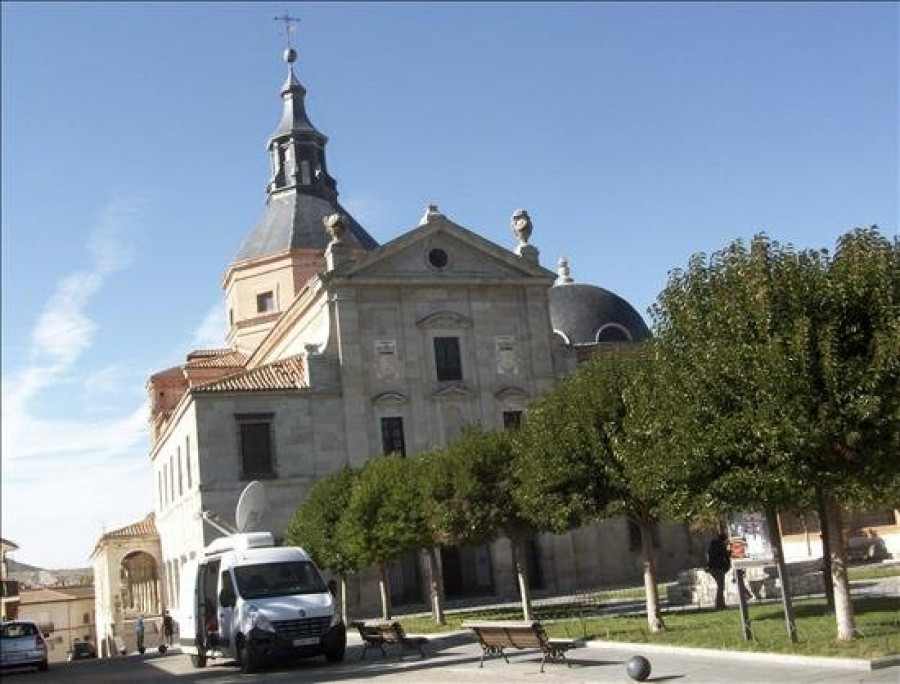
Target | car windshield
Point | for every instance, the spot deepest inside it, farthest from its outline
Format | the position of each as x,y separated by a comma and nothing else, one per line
278,579
14,630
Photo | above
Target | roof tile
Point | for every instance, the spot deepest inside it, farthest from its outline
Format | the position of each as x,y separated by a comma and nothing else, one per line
286,374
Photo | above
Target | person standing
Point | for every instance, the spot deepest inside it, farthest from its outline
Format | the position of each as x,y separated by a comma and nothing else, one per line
139,633
168,627
718,563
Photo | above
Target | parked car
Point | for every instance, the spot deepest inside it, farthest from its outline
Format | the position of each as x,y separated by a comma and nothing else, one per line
81,650
22,645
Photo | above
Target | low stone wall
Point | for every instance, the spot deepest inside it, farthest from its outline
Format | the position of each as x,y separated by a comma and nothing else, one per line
697,587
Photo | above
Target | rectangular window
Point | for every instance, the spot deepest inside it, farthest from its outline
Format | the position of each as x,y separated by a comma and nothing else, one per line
171,478
187,460
256,446
447,358
86,618
159,483
265,302
512,420
392,436
165,483
180,476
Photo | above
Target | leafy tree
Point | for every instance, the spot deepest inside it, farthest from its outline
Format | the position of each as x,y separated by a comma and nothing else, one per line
384,516
783,371
316,524
578,462
469,491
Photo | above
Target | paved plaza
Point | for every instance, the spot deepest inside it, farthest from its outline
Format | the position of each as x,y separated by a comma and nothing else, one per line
453,659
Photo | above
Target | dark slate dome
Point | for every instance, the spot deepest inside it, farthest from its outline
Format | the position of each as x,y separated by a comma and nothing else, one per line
587,314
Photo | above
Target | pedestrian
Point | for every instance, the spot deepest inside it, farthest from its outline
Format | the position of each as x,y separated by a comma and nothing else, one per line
139,632
168,627
718,563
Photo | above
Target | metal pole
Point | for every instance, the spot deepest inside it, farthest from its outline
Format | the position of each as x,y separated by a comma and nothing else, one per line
746,631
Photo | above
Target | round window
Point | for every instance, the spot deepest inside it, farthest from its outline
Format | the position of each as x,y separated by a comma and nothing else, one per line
437,258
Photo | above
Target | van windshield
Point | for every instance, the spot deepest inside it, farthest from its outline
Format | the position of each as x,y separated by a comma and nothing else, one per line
278,579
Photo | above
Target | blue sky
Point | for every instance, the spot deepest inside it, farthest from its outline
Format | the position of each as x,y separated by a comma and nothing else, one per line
133,164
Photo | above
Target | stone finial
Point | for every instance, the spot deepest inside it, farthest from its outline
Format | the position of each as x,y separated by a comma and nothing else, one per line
430,214
521,226
562,272
336,227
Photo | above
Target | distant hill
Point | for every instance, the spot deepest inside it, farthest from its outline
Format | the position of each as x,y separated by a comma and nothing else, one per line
33,576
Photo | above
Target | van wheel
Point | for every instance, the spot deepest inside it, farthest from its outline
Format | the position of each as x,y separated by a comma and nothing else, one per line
198,660
335,643
245,657
43,666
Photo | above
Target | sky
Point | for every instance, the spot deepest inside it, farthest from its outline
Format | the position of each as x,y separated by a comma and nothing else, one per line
134,164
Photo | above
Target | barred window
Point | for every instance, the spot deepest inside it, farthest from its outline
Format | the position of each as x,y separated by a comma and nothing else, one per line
392,441
255,432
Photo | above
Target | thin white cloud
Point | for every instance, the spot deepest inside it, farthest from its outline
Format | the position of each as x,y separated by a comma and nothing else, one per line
56,468
210,334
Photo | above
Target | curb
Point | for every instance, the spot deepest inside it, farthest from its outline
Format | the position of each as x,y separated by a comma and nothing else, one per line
777,658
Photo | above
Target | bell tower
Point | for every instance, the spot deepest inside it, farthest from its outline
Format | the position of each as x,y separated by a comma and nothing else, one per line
286,246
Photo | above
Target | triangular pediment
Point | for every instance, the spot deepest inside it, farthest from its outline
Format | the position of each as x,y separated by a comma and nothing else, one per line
437,252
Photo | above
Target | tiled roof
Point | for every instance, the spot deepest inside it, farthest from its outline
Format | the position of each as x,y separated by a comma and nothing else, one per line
286,374
29,596
142,528
215,358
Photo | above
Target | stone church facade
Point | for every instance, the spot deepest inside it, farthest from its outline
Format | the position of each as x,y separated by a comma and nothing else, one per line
340,350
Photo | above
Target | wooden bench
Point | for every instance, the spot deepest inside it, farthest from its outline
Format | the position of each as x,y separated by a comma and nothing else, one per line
493,637
376,635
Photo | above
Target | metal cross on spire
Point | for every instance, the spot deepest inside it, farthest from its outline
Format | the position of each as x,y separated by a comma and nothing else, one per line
289,27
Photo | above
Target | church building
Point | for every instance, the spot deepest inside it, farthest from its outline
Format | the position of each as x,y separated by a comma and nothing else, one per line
341,349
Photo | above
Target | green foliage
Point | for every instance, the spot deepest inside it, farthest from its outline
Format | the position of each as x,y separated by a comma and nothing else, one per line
782,373
316,524
384,516
578,461
469,487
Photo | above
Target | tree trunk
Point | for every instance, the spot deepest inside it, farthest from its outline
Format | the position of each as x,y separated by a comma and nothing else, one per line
518,549
344,616
826,547
436,578
654,617
778,551
385,589
843,607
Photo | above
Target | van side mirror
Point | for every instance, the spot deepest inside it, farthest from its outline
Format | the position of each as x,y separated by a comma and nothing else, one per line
226,599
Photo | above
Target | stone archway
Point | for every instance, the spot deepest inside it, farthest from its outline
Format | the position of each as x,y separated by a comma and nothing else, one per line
139,584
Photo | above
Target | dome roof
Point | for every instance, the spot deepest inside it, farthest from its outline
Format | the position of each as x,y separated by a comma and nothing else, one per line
586,314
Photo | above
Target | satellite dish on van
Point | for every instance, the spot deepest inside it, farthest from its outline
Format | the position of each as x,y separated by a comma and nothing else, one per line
251,507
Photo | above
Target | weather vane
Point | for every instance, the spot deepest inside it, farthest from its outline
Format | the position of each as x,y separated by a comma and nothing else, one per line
289,27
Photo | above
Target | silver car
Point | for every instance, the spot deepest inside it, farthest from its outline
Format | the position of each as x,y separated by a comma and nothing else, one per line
22,645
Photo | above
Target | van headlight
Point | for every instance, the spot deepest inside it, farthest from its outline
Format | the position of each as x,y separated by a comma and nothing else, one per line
258,620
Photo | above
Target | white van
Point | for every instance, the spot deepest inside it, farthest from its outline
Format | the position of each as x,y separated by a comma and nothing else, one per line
254,602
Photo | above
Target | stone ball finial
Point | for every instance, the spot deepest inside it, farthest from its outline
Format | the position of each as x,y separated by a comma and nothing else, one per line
521,226
335,226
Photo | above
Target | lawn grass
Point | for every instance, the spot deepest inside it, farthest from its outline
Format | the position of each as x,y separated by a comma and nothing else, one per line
863,572
877,619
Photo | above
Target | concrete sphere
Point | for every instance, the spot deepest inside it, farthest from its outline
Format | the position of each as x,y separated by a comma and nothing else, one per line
638,668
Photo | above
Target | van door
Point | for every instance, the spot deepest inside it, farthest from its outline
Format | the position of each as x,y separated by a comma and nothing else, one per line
227,603
189,626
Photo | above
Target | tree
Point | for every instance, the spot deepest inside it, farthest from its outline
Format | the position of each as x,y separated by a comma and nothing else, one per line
783,371
384,516
578,462
470,497
316,524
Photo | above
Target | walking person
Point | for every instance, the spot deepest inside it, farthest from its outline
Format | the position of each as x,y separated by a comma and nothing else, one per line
718,563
